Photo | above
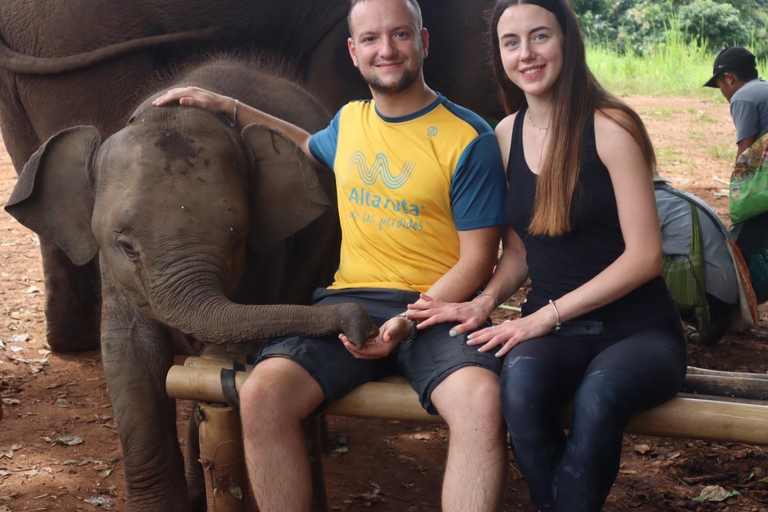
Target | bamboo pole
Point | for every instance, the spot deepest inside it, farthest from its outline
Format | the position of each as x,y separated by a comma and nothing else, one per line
680,417
692,370
750,386
221,454
312,430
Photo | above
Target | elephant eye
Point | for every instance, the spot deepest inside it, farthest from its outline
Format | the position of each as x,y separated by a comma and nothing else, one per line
128,249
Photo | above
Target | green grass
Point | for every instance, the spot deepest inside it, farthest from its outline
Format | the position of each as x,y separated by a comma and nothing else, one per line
725,152
670,156
661,113
676,68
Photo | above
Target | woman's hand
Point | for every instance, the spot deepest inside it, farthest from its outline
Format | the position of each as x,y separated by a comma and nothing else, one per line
512,332
470,315
391,334
197,97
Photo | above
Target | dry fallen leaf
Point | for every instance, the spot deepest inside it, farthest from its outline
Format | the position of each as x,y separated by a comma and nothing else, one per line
715,493
642,449
69,439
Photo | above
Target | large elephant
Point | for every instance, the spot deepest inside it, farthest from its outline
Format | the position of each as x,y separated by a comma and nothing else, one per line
87,62
192,221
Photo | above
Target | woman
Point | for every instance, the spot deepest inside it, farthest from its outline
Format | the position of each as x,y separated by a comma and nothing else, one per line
599,325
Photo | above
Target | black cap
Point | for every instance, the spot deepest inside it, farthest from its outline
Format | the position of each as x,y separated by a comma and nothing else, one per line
733,58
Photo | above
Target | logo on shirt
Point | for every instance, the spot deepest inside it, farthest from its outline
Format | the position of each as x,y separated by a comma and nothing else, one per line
432,131
379,169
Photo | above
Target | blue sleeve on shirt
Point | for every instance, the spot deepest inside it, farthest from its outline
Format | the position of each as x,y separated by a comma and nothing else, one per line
479,186
324,143
745,118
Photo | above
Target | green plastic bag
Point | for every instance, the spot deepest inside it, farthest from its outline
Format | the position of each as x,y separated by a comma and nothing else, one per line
685,277
749,182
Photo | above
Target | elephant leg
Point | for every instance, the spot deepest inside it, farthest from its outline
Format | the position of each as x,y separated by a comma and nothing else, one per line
72,306
194,470
72,301
136,355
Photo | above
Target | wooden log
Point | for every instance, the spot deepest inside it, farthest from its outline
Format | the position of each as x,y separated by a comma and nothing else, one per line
221,454
710,420
734,387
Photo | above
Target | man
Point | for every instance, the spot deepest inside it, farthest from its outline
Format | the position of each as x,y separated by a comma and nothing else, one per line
735,74
420,191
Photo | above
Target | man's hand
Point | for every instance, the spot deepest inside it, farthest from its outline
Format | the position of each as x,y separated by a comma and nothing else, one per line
197,97
391,334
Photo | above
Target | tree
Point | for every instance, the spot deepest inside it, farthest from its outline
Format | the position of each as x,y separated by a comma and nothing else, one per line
718,23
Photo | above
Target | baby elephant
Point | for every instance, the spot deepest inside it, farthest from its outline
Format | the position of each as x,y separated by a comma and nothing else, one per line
200,229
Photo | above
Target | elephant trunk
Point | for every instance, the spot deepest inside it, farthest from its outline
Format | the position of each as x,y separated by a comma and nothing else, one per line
216,319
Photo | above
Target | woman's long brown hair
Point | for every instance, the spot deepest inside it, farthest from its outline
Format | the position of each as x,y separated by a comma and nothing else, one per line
576,95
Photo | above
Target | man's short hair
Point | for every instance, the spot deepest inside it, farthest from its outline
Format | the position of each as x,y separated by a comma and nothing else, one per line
745,75
413,4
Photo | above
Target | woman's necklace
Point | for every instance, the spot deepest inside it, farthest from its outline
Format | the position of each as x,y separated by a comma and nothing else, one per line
543,142
540,128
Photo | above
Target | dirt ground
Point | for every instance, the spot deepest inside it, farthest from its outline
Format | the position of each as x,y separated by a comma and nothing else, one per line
59,448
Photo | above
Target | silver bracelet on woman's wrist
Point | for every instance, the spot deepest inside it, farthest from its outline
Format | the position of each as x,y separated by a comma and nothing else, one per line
558,325
414,331
233,123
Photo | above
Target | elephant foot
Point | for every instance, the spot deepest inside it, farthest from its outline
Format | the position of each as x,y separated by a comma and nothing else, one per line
74,336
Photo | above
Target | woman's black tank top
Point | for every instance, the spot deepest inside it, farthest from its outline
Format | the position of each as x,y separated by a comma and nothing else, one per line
558,265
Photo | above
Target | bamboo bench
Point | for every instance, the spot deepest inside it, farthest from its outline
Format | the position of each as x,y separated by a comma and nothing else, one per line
687,416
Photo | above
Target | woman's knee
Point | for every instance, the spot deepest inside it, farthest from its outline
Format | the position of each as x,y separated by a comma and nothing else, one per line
527,389
606,399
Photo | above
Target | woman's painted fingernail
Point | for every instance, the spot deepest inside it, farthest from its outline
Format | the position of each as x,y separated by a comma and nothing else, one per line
469,336
453,333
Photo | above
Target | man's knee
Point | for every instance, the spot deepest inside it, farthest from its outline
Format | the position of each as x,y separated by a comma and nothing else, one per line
468,399
278,390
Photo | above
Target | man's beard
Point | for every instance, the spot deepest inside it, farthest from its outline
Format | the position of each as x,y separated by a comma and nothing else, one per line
406,80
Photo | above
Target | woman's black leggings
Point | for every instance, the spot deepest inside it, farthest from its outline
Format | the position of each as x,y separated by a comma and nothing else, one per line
609,380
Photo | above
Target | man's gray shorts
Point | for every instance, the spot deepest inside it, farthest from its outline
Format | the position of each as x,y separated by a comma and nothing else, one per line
425,362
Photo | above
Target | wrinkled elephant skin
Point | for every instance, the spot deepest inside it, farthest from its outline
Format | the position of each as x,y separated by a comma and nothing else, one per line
199,229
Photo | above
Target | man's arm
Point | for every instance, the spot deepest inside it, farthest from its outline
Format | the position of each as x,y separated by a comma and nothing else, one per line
746,120
745,144
478,253
218,104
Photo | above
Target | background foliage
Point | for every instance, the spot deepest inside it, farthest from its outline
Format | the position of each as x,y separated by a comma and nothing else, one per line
641,27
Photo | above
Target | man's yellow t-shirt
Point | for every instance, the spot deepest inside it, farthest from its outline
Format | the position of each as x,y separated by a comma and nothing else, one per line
405,187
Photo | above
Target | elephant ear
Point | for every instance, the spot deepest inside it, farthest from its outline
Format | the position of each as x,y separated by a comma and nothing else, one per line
53,196
285,191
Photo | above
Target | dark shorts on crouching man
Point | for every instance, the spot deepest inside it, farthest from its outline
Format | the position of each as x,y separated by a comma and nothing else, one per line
425,362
